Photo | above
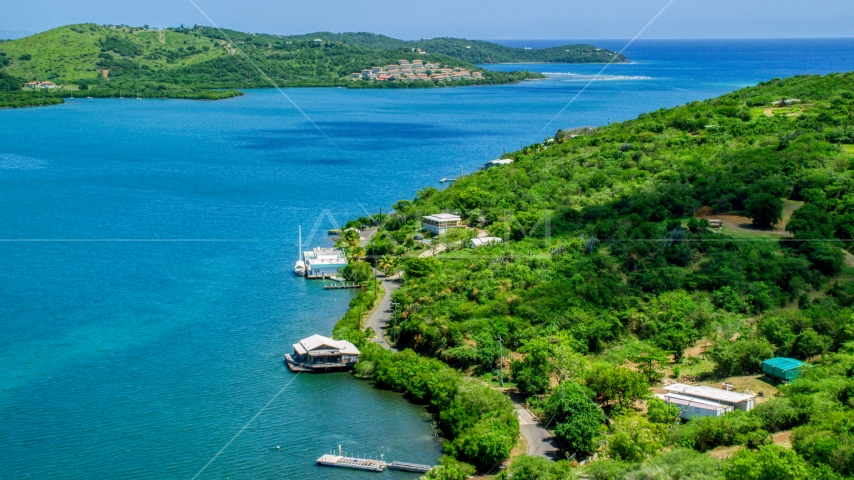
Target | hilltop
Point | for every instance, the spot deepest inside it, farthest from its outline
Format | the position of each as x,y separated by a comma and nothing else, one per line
611,280
203,62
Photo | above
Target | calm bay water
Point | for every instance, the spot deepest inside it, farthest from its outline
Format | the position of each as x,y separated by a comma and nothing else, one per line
146,293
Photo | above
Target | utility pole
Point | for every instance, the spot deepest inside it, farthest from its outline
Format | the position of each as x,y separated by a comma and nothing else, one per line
500,362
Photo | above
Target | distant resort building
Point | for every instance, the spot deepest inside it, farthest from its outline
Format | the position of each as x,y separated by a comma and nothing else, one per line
41,85
322,354
440,222
496,163
416,70
704,401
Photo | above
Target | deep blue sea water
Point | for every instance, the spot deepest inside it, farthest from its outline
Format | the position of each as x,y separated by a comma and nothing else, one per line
146,247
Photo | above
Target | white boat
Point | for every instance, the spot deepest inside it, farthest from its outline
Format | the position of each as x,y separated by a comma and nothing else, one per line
299,267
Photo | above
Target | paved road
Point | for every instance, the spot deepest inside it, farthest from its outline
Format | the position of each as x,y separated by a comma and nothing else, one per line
540,441
381,315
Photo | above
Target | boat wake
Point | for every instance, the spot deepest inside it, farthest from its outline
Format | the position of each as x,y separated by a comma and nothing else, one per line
10,161
579,77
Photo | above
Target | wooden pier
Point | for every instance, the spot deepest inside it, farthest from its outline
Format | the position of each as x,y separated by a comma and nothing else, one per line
341,286
319,275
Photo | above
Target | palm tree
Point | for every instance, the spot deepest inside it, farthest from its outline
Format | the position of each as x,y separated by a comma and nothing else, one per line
356,254
386,263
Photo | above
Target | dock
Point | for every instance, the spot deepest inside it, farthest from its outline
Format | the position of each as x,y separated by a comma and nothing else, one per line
409,467
354,463
319,275
370,465
341,286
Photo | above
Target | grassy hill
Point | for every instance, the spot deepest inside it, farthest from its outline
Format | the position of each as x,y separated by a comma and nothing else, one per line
204,62
610,281
476,51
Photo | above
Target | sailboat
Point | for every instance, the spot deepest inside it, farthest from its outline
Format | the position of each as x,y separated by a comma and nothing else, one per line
299,267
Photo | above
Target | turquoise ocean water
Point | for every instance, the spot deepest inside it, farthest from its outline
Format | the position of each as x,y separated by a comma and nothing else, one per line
146,247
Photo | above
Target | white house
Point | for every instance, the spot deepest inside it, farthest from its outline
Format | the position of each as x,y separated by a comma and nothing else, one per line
496,163
741,401
440,222
319,353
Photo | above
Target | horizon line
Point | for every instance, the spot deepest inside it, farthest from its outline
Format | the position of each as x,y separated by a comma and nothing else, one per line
26,33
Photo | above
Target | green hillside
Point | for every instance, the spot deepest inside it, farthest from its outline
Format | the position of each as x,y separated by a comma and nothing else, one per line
476,51
611,280
202,62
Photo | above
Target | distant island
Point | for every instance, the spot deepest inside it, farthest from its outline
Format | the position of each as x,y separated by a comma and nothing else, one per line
90,60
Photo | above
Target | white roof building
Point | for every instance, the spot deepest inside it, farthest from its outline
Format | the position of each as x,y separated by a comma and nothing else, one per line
479,242
497,162
318,353
741,401
319,345
325,258
439,223
691,407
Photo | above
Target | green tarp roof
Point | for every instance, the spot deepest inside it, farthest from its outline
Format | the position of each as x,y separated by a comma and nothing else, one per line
783,363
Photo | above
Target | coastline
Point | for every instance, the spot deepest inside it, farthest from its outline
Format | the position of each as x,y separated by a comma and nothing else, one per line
224,94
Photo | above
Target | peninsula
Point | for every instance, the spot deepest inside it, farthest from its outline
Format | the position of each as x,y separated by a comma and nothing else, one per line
673,295
208,63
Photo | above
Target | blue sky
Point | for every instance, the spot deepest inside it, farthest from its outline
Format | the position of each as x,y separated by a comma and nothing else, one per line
477,19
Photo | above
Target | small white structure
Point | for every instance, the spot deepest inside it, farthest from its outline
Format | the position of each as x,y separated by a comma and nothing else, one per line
319,353
741,401
496,163
479,242
692,407
440,222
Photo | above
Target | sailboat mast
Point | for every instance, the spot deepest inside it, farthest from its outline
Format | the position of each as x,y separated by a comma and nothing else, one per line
300,244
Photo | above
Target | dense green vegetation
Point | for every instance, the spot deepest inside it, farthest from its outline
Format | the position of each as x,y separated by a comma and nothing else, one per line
610,274
202,63
476,51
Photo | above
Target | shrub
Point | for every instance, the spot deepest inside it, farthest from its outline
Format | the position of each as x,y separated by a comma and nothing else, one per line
770,462
538,468
450,469
744,356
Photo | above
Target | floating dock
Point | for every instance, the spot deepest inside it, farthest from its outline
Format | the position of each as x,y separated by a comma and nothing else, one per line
409,467
370,465
354,463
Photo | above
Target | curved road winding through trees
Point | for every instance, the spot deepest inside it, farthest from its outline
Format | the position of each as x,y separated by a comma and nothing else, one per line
540,441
